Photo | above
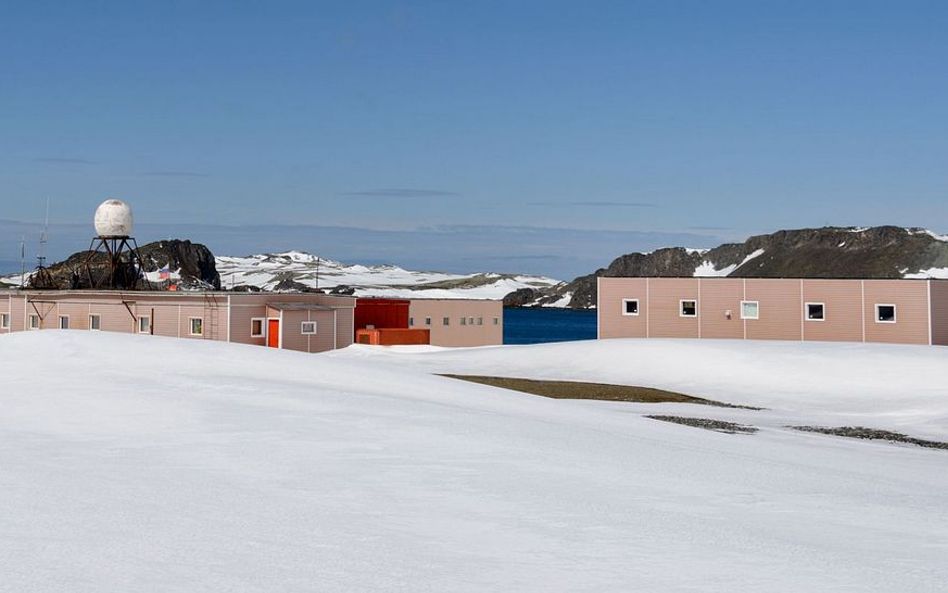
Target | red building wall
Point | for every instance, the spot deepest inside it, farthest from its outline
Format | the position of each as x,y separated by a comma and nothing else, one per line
381,313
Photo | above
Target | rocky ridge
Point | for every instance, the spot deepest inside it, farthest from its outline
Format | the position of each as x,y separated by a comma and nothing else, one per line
828,252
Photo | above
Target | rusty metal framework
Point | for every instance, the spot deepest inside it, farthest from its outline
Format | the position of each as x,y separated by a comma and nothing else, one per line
113,263
41,279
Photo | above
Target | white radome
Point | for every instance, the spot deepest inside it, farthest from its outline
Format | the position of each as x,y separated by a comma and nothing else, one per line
113,218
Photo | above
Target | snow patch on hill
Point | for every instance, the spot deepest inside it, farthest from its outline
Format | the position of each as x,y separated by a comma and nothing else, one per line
707,269
932,234
938,273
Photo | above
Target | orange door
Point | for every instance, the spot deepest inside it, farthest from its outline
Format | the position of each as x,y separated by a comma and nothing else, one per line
273,333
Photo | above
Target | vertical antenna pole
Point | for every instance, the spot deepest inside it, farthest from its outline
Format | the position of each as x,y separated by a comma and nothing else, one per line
44,238
22,262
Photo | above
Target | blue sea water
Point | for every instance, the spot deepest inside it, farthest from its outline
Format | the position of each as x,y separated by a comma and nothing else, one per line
12,267
537,326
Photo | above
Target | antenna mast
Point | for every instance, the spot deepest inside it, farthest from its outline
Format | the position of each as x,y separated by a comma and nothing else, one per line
44,239
41,278
23,261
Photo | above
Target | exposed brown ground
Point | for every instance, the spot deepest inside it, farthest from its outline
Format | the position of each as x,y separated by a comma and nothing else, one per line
597,391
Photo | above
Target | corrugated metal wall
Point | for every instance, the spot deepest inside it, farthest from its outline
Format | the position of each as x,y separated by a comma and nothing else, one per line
912,316
939,305
477,329
664,311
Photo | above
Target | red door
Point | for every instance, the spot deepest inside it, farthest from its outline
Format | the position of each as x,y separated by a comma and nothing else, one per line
273,333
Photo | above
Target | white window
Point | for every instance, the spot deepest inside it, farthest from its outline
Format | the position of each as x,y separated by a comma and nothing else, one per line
885,313
446,321
196,326
750,310
815,312
34,322
470,321
258,327
427,321
630,306
144,325
95,322
464,321
688,308
64,322
4,321
308,328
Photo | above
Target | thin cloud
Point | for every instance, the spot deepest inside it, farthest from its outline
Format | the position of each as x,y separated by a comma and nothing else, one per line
517,258
593,204
174,174
401,192
709,228
62,161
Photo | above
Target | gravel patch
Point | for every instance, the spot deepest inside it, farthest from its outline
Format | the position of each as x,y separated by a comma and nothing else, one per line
709,424
861,432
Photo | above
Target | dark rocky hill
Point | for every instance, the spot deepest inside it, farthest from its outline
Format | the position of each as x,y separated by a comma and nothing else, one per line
829,252
192,261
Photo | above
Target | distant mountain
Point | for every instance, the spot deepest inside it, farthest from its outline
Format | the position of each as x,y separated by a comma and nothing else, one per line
829,252
295,270
193,266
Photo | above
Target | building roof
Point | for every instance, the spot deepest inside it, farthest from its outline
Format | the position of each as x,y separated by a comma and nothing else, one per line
301,307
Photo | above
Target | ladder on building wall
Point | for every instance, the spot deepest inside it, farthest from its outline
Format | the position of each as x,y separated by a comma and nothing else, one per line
210,323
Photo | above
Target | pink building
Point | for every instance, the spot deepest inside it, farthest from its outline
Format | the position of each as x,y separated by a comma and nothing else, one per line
890,311
459,322
305,322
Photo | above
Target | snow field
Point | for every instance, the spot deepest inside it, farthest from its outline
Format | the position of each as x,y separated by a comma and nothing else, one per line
902,388
199,466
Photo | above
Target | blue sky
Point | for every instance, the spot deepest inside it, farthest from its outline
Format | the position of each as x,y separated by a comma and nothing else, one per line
540,137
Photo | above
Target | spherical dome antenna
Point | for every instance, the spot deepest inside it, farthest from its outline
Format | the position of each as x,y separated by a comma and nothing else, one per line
113,218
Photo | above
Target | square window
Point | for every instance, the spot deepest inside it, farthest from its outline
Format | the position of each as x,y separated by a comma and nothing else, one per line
4,321
63,322
885,313
427,321
630,306
95,322
689,309
308,328
34,322
258,327
446,321
750,310
144,325
815,312
197,326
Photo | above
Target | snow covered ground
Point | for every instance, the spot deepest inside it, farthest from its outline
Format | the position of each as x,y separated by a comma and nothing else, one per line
266,271
199,466
901,388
